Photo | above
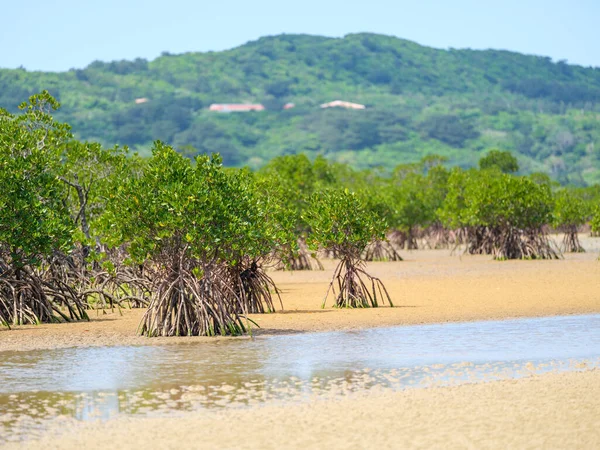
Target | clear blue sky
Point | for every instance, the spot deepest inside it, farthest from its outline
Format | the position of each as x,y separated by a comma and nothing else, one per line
61,34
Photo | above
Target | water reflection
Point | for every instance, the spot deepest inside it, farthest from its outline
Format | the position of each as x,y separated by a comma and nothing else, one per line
101,383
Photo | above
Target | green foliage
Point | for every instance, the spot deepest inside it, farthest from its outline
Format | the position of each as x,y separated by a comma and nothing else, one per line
411,204
258,219
420,101
502,214
378,201
297,178
570,210
341,222
205,228
595,221
543,178
35,227
84,169
34,221
504,161
416,192
494,199
449,129
172,206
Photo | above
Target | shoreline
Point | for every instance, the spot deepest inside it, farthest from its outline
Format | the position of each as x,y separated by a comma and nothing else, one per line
428,287
52,340
550,410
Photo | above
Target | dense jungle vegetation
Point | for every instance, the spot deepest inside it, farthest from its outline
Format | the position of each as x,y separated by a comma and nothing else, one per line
420,101
84,227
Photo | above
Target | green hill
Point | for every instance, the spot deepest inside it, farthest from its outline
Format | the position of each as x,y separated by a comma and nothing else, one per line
420,100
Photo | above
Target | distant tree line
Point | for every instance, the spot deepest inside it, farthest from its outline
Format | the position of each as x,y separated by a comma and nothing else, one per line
420,101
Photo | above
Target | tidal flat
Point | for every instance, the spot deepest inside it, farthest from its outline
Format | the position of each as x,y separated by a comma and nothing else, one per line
446,366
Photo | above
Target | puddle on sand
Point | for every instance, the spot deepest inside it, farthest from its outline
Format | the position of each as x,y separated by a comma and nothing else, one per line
37,388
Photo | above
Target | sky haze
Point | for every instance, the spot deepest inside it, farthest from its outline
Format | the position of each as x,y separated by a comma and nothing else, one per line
64,34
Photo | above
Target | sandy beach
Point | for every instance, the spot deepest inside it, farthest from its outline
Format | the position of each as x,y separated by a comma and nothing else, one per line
429,286
549,411
555,410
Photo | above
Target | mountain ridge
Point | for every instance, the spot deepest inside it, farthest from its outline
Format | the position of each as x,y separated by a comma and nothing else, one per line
420,100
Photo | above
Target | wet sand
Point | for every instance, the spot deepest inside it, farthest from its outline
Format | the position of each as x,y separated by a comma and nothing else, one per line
429,286
548,411
556,410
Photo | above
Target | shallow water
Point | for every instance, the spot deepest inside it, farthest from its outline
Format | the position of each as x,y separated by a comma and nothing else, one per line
91,383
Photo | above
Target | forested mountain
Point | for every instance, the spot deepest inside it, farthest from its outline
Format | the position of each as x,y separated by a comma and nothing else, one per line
419,101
